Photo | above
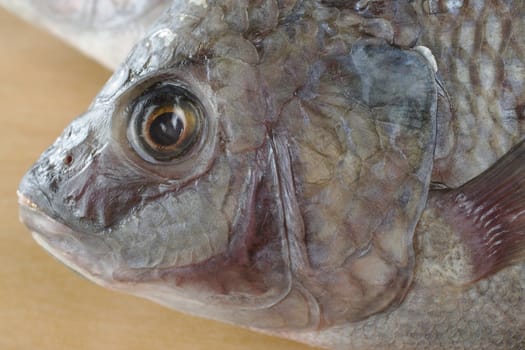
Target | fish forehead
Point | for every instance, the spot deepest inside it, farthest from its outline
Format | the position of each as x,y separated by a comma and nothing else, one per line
186,32
187,27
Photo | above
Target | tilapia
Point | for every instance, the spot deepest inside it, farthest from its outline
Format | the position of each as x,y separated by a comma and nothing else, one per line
348,174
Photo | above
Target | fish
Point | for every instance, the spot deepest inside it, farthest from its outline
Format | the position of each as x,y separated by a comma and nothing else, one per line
346,174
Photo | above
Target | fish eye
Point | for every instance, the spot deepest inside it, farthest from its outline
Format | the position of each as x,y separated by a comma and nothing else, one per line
166,122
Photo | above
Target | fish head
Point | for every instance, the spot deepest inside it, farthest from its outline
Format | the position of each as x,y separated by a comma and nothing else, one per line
153,186
198,176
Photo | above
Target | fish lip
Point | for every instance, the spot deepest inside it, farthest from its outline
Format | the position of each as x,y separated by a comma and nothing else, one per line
46,231
25,201
38,222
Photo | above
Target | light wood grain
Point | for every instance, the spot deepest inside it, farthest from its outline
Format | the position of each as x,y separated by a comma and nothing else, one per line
43,305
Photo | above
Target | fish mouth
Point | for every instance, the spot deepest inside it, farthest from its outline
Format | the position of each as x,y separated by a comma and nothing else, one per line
37,221
60,241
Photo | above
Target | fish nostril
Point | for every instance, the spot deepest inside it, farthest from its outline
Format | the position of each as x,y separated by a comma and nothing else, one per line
68,159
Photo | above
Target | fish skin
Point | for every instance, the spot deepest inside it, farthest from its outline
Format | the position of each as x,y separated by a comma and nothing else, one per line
480,54
431,307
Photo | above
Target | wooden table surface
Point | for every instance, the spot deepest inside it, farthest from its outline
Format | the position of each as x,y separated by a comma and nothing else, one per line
43,305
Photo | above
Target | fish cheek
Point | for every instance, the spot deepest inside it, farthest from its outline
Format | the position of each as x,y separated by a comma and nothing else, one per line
179,228
222,246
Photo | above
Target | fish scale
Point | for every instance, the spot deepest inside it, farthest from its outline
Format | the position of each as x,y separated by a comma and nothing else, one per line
481,59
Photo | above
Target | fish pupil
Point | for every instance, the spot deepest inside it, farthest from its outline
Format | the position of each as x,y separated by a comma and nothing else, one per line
166,129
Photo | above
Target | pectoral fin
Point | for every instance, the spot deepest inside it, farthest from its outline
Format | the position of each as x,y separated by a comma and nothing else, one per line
488,214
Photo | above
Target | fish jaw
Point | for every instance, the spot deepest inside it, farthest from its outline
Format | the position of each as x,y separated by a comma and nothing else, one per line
57,239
